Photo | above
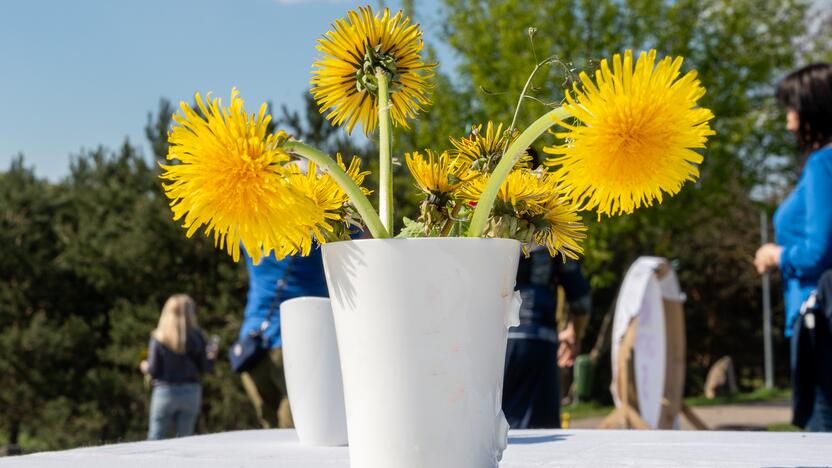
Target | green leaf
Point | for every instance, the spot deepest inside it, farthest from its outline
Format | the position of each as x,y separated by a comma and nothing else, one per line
415,229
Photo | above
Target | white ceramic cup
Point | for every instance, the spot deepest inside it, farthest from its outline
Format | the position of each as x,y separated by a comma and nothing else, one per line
313,371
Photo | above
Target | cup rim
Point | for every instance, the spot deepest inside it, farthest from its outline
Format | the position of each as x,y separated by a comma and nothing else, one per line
307,299
399,240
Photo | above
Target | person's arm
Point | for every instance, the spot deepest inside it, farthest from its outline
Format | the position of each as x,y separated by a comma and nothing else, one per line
207,355
154,359
568,346
210,358
578,307
811,256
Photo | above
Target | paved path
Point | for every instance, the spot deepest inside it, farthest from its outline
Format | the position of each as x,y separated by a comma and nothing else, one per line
749,416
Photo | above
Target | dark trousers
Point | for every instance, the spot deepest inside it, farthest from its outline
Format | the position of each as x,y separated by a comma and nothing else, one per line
265,386
531,386
812,375
811,346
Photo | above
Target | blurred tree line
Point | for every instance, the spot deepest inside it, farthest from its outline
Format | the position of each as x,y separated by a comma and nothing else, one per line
87,262
709,231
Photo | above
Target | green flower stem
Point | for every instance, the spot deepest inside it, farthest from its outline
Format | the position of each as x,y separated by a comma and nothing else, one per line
449,224
506,164
359,200
385,143
523,96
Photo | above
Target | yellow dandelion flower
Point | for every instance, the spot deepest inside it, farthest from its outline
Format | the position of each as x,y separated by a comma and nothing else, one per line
641,127
528,208
344,81
227,175
323,192
522,190
559,229
439,175
484,150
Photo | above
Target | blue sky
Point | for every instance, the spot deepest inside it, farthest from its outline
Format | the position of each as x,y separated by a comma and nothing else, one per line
76,74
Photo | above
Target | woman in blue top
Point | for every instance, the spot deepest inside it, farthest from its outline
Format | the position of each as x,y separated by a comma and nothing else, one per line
803,222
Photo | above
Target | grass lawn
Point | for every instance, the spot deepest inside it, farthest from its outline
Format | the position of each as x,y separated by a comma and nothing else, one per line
783,427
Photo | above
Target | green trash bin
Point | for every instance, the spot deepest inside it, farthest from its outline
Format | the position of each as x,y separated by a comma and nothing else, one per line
583,372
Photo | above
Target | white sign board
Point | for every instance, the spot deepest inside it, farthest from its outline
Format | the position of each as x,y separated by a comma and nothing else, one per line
650,354
641,297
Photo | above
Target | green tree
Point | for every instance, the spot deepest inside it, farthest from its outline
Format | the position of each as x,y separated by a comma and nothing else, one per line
86,265
36,344
157,129
740,49
312,127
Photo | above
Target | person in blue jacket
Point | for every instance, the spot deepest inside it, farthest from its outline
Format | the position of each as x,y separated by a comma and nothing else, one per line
271,282
803,222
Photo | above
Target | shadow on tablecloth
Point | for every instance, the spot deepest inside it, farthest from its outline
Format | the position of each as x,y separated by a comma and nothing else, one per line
537,439
801,466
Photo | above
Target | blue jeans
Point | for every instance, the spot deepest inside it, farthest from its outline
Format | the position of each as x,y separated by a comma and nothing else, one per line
174,409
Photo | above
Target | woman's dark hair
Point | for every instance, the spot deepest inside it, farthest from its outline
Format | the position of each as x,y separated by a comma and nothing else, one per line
808,91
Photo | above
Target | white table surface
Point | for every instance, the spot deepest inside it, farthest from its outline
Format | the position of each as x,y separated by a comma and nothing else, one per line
527,449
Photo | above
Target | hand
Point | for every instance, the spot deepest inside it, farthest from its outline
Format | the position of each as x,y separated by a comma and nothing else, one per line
567,346
211,350
767,257
144,366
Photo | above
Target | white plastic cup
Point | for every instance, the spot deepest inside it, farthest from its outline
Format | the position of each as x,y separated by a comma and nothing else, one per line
313,371
422,327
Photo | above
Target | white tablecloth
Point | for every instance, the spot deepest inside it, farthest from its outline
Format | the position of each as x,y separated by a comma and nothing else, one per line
527,449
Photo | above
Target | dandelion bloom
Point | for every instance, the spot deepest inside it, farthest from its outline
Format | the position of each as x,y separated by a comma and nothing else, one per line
227,174
528,208
438,175
522,189
559,228
344,80
323,192
484,149
641,126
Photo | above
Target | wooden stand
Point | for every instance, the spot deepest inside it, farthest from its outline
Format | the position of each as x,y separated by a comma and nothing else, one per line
627,415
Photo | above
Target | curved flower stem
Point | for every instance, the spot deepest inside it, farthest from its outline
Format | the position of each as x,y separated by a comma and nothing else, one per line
385,161
523,96
506,164
449,224
359,200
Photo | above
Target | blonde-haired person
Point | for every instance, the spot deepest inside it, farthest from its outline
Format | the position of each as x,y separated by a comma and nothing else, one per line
177,358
